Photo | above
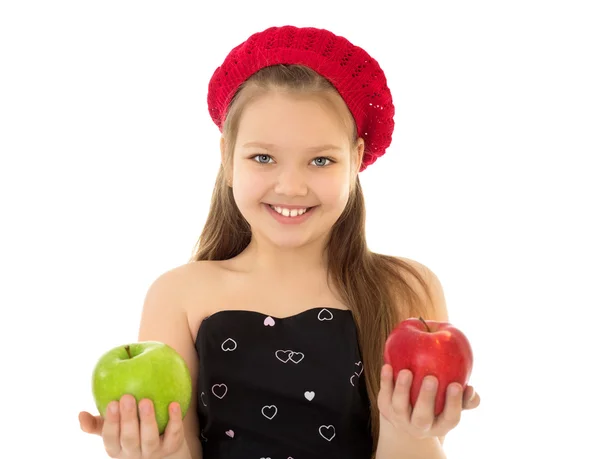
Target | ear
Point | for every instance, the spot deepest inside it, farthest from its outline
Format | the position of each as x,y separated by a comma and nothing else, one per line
360,150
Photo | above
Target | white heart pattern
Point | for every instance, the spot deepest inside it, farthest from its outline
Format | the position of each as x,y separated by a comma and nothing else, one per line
327,432
202,395
219,390
296,357
269,411
352,379
229,345
229,433
325,314
309,395
286,356
360,366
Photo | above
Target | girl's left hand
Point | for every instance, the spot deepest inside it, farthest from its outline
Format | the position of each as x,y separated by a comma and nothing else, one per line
419,421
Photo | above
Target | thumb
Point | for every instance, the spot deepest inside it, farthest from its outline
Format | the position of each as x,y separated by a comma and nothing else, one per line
90,424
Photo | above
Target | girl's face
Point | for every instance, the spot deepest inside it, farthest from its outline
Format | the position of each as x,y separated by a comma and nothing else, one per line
277,162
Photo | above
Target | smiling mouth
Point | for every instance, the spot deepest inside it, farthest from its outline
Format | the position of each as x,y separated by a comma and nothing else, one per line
291,213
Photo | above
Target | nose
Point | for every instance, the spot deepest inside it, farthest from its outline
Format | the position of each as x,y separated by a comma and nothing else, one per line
291,182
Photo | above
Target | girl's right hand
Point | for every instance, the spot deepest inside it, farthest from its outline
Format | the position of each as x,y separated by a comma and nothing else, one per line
127,436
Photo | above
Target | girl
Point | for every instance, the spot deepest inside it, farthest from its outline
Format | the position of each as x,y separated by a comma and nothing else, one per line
283,311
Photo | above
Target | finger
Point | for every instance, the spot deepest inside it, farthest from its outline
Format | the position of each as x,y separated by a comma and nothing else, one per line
384,398
471,398
90,424
401,397
450,417
111,430
150,440
468,394
423,411
174,434
130,425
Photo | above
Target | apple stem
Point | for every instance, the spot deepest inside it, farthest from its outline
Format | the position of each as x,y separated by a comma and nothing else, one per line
127,349
425,323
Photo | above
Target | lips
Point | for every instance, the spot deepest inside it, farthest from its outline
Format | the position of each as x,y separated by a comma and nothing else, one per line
287,211
289,220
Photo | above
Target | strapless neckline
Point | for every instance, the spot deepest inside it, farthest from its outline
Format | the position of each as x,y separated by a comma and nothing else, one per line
325,311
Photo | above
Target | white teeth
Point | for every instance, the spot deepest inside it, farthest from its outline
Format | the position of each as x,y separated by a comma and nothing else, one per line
287,212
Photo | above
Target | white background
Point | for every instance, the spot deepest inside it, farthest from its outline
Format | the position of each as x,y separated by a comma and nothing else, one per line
108,159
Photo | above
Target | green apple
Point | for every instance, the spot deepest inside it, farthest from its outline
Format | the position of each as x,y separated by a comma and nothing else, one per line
147,369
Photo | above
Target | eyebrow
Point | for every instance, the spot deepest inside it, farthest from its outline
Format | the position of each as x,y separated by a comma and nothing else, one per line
270,146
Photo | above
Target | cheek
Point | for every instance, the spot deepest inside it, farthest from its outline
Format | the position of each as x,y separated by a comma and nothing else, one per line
334,191
248,189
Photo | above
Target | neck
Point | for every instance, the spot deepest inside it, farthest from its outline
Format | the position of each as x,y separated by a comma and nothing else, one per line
281,263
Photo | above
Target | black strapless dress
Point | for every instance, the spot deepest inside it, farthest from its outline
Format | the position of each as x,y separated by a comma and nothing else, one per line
282,388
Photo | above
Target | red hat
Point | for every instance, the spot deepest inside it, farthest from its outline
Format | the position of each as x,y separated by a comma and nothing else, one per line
356,76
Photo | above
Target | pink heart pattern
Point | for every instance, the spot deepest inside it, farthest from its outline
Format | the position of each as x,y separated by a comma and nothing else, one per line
269,322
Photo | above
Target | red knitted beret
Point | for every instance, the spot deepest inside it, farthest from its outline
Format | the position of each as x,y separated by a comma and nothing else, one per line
357,77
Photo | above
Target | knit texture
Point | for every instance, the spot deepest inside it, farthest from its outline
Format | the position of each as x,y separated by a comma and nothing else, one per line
357,77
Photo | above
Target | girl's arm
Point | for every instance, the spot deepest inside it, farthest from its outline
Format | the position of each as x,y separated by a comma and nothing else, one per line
164,319
393,446
399,435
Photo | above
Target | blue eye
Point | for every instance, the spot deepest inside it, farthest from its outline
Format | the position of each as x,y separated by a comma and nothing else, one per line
262,156
322,158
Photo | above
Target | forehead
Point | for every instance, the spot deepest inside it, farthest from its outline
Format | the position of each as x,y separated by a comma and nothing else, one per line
291,120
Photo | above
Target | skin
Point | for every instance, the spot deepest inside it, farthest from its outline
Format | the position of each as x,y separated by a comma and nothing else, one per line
397,414
288,172
402,422
285,173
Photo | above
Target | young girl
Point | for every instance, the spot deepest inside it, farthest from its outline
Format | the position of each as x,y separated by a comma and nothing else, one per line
283,311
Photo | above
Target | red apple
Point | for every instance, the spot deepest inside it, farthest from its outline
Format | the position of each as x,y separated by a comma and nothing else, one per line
428,347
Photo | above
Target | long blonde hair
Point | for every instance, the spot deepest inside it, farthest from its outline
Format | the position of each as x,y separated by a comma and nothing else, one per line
373,286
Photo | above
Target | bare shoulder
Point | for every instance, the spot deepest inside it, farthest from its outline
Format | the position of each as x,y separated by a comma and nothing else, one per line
165,318
194,287
423,271
184,281
180,279
434,286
